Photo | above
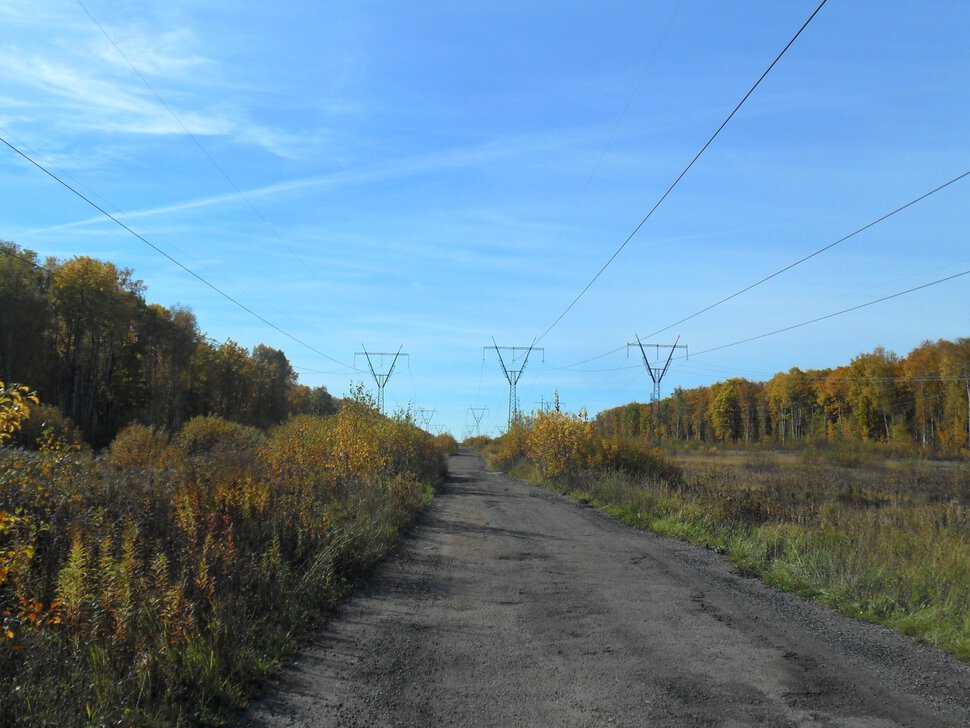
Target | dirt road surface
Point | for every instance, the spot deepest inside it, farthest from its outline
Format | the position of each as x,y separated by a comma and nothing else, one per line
512,606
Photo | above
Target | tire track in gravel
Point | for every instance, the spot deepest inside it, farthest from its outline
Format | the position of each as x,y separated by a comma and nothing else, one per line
509,606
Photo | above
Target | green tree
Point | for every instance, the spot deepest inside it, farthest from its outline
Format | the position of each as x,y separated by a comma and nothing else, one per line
873,392
272,379
95,306
24,316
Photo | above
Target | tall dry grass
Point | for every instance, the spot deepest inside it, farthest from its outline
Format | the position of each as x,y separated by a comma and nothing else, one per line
878,538
155,584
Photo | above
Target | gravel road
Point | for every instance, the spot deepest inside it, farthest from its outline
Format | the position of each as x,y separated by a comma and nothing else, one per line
513,606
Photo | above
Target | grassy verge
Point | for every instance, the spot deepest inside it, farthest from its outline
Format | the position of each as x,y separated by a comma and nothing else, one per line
156,584
881,541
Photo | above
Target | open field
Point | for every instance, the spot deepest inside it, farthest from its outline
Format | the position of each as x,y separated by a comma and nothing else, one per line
881,538
887,541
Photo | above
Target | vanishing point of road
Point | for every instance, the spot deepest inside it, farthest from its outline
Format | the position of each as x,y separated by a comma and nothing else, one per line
510,605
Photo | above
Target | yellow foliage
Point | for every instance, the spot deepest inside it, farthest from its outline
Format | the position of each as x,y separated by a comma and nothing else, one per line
15,402
230,537
560,444
505,451
140,448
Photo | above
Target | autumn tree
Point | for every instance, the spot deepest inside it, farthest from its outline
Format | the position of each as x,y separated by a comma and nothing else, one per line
724,410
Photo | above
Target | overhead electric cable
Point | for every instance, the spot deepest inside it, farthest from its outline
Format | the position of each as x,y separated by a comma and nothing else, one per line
833,315
788,267
799,325
683,173
316,371
629,101
813,254
592,358
208,156
158,250
22,259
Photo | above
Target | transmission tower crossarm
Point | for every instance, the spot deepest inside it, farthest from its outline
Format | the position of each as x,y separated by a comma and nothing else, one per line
394,361
380,379
646,360
512,375
669,357
501,360
657,372
369,363
525,361
478,413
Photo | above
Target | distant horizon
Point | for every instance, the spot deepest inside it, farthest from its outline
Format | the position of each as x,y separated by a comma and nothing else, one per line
430,178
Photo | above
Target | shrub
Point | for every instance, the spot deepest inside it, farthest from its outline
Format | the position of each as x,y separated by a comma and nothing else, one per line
212,435
477,442
446,444
636,458
133,600
47,424
509,449
138,447
560,445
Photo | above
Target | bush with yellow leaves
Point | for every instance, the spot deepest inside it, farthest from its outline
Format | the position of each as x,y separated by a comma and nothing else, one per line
151,585
559,444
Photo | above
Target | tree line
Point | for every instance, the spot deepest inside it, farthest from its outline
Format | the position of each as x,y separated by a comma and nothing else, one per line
922,399
81,333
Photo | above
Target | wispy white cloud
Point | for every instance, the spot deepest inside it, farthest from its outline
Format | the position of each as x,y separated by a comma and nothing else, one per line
86,102
472,156
87,86
170,54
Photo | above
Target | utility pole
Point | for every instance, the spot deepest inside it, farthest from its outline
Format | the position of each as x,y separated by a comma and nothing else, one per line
478,413
511,373
381,377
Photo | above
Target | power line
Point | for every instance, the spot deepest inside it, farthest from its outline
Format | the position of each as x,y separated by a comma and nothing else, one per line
208,156
817,252
629,101
798,325
788,267
683,173
158,250
837,313
592,358
316,371
22,259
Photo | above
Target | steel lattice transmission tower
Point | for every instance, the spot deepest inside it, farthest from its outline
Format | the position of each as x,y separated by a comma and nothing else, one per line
478,413
511,373
380,378
426,416
656,373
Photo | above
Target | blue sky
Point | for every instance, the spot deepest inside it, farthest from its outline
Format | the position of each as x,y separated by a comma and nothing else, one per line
432,175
